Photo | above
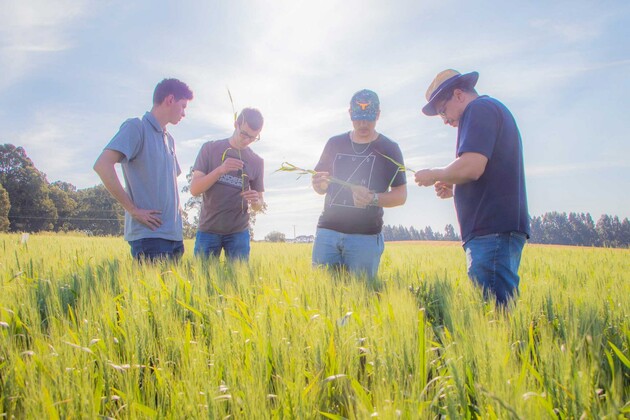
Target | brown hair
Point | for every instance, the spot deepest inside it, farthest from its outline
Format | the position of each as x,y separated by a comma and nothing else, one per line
178,89
252,117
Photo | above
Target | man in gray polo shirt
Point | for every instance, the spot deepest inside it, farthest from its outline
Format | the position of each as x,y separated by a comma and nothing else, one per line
146,152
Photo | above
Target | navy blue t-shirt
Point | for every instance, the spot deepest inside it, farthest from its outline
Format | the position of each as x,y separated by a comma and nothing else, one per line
359,164
497,201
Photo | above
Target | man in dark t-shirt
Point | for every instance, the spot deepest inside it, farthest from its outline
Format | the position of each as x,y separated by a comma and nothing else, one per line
230,176
357,173
486,179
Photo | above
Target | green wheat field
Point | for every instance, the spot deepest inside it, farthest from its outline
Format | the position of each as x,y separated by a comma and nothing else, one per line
86,333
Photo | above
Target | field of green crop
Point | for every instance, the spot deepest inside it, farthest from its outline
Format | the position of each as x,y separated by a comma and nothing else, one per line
86,333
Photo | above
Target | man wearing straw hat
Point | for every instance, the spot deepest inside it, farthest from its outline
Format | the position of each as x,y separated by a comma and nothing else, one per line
357,173
486,179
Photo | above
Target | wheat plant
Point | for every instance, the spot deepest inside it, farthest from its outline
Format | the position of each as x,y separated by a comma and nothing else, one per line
87,333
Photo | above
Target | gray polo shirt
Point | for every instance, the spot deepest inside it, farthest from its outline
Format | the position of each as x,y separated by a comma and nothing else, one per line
150,169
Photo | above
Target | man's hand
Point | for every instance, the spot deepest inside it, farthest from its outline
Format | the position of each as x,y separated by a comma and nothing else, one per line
231,164
251,196
148,218
444,190
361,196
320,182
425,177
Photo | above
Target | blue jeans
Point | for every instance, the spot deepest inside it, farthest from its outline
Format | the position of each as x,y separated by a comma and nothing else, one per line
236,245
493,262
355,252
151,249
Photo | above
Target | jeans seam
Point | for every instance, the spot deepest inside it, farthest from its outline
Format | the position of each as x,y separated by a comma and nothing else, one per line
497,246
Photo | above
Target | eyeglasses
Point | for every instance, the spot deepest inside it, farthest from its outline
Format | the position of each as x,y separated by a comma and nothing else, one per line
247,136
442,109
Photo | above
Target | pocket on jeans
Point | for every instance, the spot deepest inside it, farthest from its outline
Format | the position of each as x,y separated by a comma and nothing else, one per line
519,235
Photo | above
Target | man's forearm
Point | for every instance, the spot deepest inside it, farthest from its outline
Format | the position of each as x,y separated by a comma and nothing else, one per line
397,196
202,182
111,182
466,168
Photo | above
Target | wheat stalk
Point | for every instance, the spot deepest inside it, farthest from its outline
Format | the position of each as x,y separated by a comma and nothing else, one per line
289,167
401,167
243,173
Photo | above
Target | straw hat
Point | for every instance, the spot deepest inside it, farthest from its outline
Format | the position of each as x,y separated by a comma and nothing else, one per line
443,81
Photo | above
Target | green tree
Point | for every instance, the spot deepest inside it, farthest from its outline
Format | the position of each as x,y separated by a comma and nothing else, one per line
191,207
31,207
557,229
582,229
5,206
65,203
609,229
275,236
449,233
98,212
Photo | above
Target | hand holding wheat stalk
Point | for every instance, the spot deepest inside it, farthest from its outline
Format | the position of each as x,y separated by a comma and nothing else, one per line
401,167
244,177
289,167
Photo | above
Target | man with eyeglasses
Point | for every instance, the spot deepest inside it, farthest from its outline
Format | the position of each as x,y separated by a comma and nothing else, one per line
230,176
486,179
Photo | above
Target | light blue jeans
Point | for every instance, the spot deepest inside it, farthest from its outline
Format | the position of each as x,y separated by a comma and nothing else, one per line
493,262
355,252
236,245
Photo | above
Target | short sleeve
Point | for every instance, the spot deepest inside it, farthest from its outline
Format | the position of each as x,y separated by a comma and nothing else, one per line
128,140
202,163
400,177
325,163
479,129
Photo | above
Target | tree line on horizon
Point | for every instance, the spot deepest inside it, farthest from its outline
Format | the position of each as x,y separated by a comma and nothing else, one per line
29,203
554,228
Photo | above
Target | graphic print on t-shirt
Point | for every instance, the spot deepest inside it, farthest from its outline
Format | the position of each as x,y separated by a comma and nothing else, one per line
354,169
235,178
231,180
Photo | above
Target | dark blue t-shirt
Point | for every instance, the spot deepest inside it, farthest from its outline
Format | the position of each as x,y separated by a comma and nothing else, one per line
497,201
358,164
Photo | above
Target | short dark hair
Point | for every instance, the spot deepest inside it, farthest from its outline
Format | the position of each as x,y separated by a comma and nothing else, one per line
178,89
464,87
252,117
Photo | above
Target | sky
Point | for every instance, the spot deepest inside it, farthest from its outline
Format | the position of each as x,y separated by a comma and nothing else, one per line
71,71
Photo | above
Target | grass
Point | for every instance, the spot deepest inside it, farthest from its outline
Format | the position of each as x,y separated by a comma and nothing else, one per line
85,333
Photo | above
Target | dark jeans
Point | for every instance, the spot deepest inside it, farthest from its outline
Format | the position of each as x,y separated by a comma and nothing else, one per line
236,245
152,249
493,262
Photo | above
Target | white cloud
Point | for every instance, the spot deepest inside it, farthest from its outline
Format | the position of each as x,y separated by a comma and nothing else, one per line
299,62
567,31
30,28
56,144
572,168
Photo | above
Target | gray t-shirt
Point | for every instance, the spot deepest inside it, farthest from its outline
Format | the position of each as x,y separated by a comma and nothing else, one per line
223,210
150,169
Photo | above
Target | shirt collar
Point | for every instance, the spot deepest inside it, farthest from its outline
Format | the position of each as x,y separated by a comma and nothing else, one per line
153,121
